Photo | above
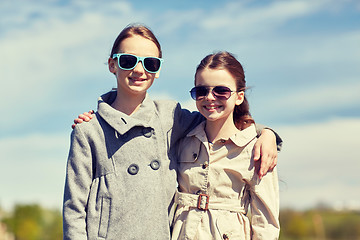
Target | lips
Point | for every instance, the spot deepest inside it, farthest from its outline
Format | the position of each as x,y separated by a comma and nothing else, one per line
212,107
137,79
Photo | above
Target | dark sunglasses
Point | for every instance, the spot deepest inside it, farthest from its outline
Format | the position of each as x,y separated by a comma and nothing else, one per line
128,62
220,92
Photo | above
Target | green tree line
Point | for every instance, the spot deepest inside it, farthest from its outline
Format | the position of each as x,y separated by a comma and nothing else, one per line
33,222
319,224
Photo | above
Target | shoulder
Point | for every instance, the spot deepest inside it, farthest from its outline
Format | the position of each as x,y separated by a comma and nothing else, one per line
166,110
89,129
166,105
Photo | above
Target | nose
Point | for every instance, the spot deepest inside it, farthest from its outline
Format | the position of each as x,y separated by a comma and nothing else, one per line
139,68
210,96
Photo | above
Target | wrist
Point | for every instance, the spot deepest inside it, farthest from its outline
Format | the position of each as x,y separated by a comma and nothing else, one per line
268,131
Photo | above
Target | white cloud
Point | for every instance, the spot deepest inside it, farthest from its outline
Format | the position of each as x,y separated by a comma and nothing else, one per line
254,20
57,46
325,48
331,194
172,25
319,97
42,58
253,34
319,163
33,169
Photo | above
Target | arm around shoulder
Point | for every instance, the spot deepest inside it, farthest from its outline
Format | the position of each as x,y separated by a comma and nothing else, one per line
185,121
266,149
261,129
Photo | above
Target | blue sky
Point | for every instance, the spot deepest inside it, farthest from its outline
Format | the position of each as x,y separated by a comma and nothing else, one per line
301,60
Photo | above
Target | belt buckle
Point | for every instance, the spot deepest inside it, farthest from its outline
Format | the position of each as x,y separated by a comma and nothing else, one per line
201,195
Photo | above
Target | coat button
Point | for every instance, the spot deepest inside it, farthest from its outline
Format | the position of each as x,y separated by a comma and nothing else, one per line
155,164
205,165
225,236
195,155
147,132
133,169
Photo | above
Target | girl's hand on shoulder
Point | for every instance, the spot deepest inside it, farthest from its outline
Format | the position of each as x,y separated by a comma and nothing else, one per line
265,150
86,116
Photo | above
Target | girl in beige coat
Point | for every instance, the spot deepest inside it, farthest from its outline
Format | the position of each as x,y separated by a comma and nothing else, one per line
217,174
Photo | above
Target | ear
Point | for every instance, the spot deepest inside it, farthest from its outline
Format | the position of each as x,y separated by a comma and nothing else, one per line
239,98
112,65
157,75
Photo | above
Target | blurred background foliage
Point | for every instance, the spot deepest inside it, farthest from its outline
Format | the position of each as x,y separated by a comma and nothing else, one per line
33,222
320,224
30,222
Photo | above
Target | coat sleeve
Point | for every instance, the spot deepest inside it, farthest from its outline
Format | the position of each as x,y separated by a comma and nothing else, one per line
184,122
77,187
279,141
264,205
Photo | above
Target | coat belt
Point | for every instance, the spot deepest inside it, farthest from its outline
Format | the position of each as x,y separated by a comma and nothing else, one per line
205,202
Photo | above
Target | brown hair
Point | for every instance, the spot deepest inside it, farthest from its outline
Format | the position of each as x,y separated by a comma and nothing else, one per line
135,29
225,60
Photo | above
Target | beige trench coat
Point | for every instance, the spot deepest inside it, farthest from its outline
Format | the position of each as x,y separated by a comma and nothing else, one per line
218,184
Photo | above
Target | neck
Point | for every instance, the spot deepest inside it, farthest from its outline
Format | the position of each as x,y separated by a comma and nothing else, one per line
216,130
126,103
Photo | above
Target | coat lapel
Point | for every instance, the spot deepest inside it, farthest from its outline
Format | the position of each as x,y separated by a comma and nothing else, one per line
122,122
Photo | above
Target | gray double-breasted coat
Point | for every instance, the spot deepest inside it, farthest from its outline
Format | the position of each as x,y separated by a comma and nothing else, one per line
120,181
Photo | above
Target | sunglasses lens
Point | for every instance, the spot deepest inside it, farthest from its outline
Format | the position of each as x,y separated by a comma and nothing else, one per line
198,92
152,64
222,92
127,61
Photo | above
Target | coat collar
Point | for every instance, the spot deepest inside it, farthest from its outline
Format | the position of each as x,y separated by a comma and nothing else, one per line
199,132
122,122
240,138
243,137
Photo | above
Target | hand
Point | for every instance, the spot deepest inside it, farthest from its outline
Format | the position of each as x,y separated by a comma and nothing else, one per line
86,116
265,150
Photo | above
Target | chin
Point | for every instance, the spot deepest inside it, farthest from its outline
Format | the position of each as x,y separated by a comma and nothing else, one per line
210,117
139,89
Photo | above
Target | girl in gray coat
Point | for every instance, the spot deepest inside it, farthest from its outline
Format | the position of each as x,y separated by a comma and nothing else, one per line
120,181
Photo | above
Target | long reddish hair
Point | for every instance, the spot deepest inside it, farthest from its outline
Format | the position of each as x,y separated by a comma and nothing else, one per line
225,60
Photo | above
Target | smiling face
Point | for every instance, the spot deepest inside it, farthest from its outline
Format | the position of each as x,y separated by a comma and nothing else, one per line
137,81
212,108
